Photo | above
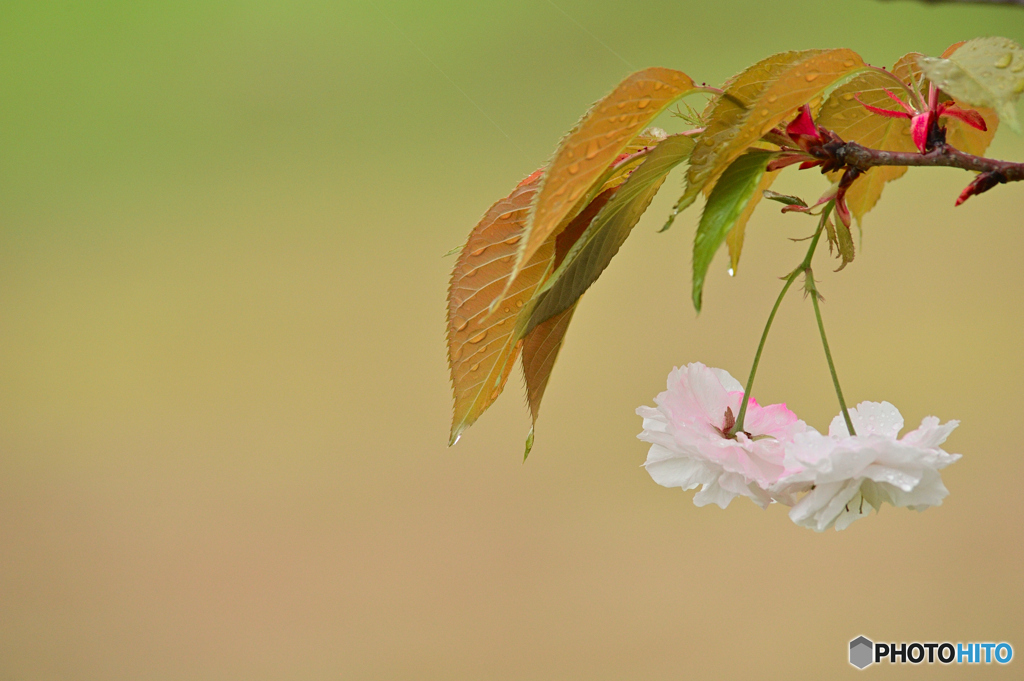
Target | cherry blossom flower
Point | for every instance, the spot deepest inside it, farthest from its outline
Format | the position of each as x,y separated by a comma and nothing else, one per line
691,443
839,474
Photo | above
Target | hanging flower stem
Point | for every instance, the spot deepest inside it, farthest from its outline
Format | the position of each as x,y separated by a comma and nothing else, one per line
828,354
804,266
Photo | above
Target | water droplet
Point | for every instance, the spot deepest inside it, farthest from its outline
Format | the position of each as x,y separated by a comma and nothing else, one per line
811,77
1018,67
477,338
519,344
1004,61
642,104
560,190
457,354
848,97
1019,87
495,393
475,367
710,142
764,112
459,323
569,153
507,258
593,149
731,272
611,134
478,252
621,105
848,63
576,193
519,303
506,309
658,86
574,168
772,98
513,240
506,216
622,118
457,438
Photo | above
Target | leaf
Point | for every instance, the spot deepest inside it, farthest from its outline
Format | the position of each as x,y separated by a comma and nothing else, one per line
593,145
982,72
481,346
784,198
540,350
756,101
725,206
603,237
734,239
846,116
844,241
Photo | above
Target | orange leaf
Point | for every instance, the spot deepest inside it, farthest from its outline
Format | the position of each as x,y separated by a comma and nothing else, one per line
593,145
481,345
540,349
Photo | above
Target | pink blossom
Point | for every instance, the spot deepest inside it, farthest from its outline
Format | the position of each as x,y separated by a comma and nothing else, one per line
691,443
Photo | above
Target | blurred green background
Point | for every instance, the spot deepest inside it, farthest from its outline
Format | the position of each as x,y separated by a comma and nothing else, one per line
223,393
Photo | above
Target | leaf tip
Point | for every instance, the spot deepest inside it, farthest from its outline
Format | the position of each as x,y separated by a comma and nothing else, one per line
529,444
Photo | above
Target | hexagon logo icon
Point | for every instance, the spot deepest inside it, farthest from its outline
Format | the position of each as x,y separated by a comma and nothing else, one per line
862,652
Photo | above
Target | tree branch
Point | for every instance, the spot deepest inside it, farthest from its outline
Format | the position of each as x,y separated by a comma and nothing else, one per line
1018,3
862,158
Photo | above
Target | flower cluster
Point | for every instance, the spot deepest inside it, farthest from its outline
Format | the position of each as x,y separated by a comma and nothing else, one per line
826,479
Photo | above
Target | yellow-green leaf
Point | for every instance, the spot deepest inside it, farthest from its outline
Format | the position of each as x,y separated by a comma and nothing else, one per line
982,72
756,101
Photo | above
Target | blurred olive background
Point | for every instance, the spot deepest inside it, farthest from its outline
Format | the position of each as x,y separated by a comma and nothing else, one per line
223,392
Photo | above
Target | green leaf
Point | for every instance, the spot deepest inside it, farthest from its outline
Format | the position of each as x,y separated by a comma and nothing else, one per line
726,204
845,242
603,237
982,72
784,198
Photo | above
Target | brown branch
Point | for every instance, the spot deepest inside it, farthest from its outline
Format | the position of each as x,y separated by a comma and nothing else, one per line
862,158
1018,3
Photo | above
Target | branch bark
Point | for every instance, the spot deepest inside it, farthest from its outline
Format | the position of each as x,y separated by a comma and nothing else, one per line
1017,3
862,158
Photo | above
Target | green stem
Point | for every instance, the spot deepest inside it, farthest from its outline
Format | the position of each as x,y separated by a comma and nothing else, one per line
831,365
803,267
